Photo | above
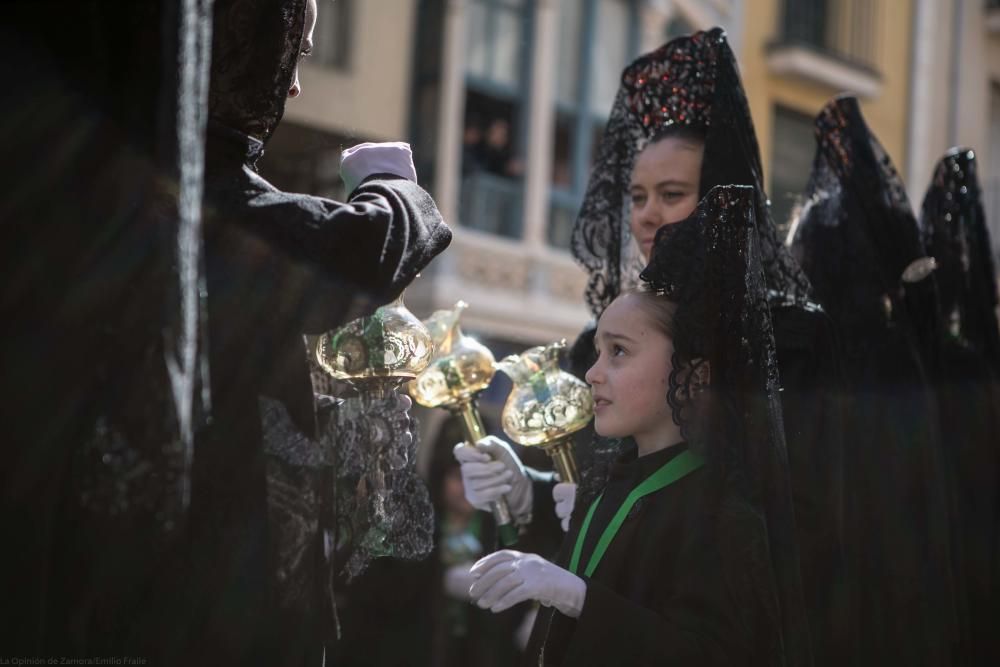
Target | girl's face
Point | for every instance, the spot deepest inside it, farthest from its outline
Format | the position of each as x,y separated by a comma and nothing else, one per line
307,46
630,379
664,188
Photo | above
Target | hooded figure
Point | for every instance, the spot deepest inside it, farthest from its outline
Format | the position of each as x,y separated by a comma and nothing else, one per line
276,266
954,230
858,241
690,88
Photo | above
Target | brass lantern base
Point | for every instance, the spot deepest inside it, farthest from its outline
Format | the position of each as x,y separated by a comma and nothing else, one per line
561,451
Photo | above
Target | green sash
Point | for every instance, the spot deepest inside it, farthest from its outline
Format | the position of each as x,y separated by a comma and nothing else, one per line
671,471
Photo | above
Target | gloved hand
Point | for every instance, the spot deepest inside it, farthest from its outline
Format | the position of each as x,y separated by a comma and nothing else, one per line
457,581
490,470
389,157
564,494
506,578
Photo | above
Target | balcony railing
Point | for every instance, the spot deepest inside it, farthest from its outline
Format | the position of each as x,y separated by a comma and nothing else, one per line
842,29
491,203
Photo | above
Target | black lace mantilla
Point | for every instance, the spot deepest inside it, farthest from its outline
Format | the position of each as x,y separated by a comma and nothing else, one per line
855,233
692,81
710,265
954,231
255,47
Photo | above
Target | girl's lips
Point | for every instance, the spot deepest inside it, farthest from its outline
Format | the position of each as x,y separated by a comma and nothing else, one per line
600,403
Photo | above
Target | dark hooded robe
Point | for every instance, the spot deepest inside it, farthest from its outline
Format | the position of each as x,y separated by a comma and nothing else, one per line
130,571
857,240
101,254
703,571
693,82
967,382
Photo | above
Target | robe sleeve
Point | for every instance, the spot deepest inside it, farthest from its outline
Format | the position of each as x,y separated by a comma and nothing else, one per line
320,262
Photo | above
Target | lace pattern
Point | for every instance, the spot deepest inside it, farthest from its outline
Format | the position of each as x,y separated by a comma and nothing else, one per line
383,507
690,81
954,231
255,47
856,233
710,266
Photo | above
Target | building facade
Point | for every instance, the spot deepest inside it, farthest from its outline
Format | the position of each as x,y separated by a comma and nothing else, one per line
504,102
956,97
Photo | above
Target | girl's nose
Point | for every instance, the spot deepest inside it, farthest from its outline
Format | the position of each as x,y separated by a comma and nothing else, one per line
593,375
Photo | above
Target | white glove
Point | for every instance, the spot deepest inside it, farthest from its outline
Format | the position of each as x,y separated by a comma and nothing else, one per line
506,578
390,157
564,494
490,470
457,581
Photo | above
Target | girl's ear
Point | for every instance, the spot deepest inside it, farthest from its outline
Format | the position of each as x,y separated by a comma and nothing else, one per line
701,376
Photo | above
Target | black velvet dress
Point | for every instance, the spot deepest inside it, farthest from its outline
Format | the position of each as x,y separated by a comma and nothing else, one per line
658,596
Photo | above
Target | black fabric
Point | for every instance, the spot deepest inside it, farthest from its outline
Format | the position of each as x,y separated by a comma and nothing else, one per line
255,47
968,387
710,266
90,246
855,235
657,596
813,402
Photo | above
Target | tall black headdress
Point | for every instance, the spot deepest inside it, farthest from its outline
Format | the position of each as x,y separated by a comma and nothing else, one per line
855,235
858,241
954,230
711,266
692,81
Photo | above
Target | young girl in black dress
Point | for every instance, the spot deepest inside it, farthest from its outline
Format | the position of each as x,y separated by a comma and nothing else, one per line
684,552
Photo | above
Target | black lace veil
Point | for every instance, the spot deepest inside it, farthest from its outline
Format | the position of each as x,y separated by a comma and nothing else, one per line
954,231
255,46
692,81
855,234
711,266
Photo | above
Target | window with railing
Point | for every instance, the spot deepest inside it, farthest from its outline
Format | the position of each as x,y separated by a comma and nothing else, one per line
497,55
842,29
597,38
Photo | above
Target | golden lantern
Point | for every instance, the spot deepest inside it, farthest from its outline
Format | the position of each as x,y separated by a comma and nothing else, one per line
462,368
376,354
546,406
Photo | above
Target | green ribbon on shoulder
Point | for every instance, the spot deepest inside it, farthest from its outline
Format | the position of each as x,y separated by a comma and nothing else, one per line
681,465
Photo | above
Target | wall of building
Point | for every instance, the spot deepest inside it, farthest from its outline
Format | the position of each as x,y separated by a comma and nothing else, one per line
886,112
371,99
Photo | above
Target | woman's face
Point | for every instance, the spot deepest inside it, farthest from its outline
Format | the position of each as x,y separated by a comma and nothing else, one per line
630,379
664,188
307,45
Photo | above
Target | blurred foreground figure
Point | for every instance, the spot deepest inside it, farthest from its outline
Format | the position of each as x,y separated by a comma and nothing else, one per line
138,541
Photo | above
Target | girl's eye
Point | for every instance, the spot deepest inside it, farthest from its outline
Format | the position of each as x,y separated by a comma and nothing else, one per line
638,200
672,196
617,350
